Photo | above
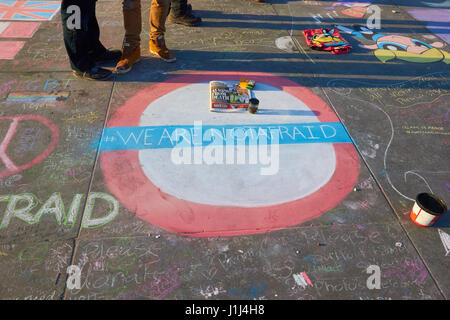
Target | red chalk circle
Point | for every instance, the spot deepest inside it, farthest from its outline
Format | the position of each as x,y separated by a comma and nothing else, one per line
11,167
127,181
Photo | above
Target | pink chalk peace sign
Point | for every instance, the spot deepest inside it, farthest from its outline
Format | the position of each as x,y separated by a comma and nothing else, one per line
11,167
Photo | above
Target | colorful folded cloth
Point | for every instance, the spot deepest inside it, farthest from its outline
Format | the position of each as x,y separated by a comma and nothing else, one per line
326,40
247,84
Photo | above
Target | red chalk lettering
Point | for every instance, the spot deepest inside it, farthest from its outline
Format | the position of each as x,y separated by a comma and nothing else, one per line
51,84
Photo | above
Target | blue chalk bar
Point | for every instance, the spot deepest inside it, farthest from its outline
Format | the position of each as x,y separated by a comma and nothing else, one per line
163,137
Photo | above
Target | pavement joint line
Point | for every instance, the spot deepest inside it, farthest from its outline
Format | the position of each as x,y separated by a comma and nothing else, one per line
78,237
32,72
296,43
97,154
170,234
396,214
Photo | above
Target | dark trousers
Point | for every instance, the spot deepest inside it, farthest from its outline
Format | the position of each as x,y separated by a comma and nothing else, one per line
178,7
82,44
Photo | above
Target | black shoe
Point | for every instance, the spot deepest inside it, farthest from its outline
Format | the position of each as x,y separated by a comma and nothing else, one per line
95,73
107,56
186,19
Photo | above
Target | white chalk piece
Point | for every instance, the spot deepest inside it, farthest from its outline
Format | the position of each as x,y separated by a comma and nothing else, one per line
253,106
316,161
427,209
286,44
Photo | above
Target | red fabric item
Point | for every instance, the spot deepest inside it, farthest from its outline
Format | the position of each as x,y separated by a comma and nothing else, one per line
326,40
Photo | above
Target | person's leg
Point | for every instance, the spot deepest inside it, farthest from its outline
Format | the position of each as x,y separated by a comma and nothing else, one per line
97,51
178,7
181,13
158,16
76,40
95,46
132,20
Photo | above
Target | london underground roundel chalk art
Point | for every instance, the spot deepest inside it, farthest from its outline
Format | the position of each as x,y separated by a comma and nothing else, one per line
315,167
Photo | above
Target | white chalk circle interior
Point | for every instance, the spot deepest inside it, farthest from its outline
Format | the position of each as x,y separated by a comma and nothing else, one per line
303,168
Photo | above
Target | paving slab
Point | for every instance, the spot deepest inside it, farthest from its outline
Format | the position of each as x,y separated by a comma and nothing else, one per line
296,264
44,50
34,270
49,122
403,115
403,130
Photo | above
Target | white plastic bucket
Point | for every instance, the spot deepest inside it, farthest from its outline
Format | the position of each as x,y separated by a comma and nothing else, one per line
427,209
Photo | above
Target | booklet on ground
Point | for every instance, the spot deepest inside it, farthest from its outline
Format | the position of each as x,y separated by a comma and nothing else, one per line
227,96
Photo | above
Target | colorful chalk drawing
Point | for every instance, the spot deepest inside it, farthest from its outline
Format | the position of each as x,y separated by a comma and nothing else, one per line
406,85
55,206
353,9
10,167
302,280
9,49
18,29
389,47
226,200
444,4
11,26
28,10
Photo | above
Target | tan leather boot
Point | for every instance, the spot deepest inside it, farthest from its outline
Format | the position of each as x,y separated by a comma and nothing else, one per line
158,16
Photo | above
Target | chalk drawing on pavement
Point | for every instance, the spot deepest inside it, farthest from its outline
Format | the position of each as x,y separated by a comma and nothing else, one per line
28,10
19,206
226,199
368,102
11,26
436,20
12,168
390,47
